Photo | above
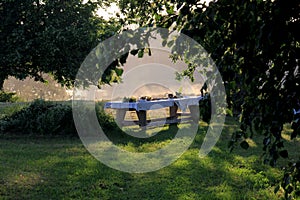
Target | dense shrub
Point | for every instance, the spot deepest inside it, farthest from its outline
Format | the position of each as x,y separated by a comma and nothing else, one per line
49,118
8,109
106,121
40,118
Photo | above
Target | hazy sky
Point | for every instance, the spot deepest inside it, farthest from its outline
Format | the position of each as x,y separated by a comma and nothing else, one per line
151,76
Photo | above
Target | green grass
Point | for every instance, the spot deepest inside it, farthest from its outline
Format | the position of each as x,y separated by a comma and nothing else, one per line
61,168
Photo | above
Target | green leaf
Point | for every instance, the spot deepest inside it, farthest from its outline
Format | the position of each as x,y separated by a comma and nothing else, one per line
244,144
119,71
141,53
170,10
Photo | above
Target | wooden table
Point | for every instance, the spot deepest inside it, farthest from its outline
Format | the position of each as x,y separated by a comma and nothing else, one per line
141,107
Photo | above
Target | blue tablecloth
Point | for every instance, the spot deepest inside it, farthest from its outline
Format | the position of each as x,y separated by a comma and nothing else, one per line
182,103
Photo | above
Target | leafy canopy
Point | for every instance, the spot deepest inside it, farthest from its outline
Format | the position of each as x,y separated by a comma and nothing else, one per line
49,36
256,47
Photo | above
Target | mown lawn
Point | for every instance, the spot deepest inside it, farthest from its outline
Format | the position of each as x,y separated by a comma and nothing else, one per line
61,168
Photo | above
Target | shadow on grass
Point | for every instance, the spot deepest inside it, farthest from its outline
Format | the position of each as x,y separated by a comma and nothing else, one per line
119,137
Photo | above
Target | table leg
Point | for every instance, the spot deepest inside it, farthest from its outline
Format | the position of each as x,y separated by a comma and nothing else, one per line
120,115
173,111
195,114
142,115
